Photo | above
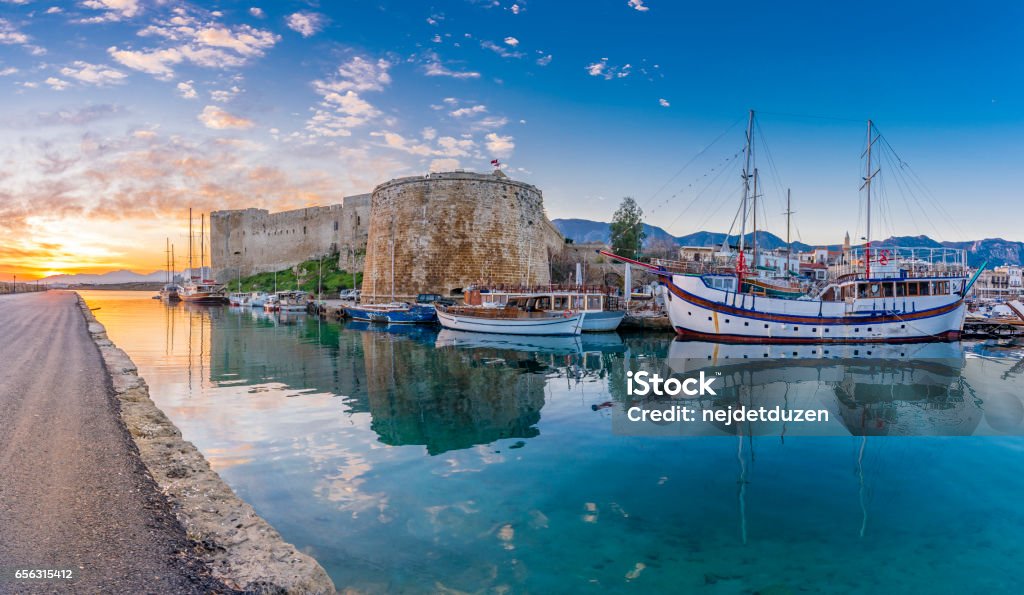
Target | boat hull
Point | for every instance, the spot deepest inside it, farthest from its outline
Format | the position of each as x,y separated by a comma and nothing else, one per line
414,315
568,325
602,322
204,298
697,312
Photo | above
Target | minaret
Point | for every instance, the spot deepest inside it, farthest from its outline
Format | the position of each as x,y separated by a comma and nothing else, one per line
846,248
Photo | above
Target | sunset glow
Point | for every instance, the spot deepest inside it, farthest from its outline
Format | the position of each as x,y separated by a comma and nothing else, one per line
118,120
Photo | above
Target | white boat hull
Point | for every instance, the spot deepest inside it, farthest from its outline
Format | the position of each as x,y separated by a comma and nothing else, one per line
602,322
569,325
699,311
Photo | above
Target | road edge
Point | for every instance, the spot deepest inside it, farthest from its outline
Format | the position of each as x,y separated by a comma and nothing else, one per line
240,548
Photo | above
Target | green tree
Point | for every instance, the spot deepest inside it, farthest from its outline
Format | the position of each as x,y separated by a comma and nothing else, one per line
627,229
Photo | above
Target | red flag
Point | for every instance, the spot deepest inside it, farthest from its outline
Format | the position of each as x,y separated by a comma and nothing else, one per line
494,162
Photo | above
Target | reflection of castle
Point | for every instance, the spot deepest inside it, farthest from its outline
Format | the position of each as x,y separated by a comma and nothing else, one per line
444,399
467,398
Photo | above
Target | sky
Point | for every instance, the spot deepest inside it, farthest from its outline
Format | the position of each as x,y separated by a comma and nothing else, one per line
116,116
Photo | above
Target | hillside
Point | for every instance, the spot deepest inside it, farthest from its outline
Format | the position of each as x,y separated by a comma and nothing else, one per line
996,251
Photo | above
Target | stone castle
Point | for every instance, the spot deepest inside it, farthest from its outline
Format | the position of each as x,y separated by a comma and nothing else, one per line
436,233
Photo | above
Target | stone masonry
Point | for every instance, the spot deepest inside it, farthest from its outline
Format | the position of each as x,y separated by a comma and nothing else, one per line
443,232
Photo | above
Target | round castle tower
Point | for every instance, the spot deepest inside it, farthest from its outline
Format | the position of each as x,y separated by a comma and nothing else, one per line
443,232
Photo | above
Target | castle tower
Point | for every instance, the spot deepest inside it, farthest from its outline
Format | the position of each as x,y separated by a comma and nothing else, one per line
443,232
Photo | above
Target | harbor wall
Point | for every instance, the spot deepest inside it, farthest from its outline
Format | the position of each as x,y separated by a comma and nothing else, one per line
244,242
239,547
443,232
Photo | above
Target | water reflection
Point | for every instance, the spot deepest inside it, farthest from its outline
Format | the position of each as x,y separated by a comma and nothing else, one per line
926,389
408,461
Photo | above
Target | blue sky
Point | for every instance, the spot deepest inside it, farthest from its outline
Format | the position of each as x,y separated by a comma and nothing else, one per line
122,113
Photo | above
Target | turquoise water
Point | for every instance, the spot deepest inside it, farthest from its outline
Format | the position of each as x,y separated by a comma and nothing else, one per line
417,461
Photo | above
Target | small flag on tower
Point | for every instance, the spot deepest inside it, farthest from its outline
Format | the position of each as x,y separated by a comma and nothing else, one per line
495,163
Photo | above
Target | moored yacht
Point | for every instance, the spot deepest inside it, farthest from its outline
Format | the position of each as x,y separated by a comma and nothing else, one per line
882,294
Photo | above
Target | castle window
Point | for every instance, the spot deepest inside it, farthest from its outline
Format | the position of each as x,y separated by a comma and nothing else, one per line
335,226
303,230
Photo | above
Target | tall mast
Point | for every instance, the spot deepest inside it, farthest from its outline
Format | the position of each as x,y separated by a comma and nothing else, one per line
167,260
789,243
191,272
867,187
741,261
172,263
754,205
202,247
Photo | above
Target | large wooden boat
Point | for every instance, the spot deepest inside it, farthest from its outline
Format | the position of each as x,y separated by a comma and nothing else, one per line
883,294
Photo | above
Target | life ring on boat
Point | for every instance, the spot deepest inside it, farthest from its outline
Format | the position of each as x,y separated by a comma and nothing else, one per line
567,314
883,259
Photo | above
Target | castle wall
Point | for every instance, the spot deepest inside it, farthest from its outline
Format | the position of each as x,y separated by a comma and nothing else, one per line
249,241
442,232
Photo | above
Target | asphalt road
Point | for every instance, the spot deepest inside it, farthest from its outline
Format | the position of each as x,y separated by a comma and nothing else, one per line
73,491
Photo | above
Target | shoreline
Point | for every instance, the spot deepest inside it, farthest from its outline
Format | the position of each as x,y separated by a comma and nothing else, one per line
240,548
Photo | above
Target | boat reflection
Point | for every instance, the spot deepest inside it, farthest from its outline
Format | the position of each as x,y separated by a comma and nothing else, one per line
874,389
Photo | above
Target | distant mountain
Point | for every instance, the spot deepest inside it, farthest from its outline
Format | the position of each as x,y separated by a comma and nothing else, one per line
584,231
995,251
113,277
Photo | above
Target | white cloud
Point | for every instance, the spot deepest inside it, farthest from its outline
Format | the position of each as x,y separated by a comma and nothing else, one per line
500,50
10,35
225,95
500,146
306,24
602,69
156,62
435,19
257,12
8,71
54,10
341,107
638,5
515,8
218,119
57,84
428,133
512,41
358,74
92,74
186,90
544,60
468,111
201,41
114,10
664,102
447,164
434,67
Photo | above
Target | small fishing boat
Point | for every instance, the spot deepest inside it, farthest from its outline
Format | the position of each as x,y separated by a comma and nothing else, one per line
291,301
203,292
602,311
257,299
271,303
238,299
171,292
393,313
519,316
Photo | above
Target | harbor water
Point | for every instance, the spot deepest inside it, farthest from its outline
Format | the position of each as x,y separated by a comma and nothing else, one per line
411,459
